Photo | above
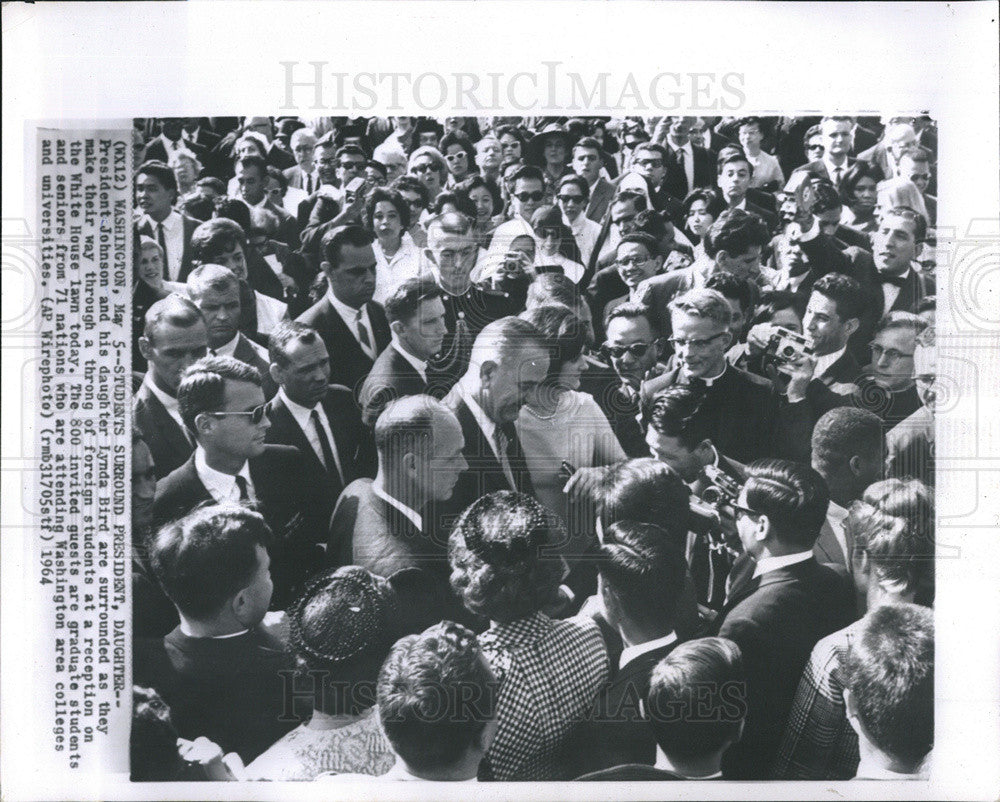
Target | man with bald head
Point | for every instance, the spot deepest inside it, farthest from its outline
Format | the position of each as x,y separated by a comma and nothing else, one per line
508,362
899,135
174,338
384,524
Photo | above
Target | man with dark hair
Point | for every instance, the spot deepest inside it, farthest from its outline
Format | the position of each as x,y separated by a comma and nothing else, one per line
741,294
155,195
848,451
174,338
586,163
734,174
416,317
781,601
606,284
215,290
641,574
733,243
320,419
689,165
650,161
696,707
386,524
887,385
251,176
352,325
222,404
637,258
437,702
896,243
889,692
837,139
220,669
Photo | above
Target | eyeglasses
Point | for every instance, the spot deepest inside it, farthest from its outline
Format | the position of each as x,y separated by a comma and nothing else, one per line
878,352
648,162
632,260
570,198
256,414
352,165
426,167
456,156
638,350
524,197
679,342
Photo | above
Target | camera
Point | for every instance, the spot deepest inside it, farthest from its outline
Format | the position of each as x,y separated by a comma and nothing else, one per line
786,346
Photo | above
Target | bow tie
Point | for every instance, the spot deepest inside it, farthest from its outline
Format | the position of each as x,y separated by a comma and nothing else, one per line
896,281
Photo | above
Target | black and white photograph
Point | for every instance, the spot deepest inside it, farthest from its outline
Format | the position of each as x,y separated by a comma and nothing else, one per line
525,424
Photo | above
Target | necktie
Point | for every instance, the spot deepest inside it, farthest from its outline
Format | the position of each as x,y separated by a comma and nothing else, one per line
506,440
836,176
162,240
241,483
324,443
363,336
309,184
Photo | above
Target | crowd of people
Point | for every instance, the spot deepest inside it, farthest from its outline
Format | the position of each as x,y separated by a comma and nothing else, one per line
533,448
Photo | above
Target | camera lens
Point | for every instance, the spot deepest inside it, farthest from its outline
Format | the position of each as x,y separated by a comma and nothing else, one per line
788,351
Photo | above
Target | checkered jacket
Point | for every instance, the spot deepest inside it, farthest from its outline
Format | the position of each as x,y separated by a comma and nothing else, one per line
819,743
549,672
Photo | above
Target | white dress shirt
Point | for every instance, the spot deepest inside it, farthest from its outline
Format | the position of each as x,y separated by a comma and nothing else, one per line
392,271
173,238
585,232
629,653
221,486
835,517
303,417
890,292
169,402
229,348
489,430
419,365
414,517
832,168
350,317
823,363
767,564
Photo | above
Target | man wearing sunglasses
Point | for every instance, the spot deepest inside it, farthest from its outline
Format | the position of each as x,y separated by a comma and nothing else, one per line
223,407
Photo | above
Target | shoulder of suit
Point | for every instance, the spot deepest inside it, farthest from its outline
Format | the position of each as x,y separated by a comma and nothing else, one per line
751,378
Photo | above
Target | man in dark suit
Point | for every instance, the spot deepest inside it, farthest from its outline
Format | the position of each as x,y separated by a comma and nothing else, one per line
910,443
215,290
696,707
641,570
835,136
650,161
733,243
174,338
848,451
688,165
386,524
416,317
156,194
586,163
251,175
321,420
679,437
353,326
733,177
171,139
777,611
508,362
897,243
739,408
220,670
222,404
896,139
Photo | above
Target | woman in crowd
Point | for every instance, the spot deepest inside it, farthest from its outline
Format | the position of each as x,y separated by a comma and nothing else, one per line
187,170
556,245
859,191
512,143
486,198
503,569
428,165
396,255
460,157
701,208
342,629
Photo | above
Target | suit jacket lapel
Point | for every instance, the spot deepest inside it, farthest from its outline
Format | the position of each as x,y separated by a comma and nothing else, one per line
345,446
343,336
288,430
478,450
380,327
166,426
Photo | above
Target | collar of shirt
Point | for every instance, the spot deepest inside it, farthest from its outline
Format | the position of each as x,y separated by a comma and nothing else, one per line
419,365
714,379
629,653
868,769
831,168
221,486
688,149
742,204
169,402
300,413
487,425
906,273
169,223
350,314
171,146
228,348
823,363
214,637
835,516
414,517
400,772
767,564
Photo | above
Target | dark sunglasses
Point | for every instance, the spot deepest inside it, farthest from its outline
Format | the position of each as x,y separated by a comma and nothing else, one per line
570,198
524,197
352,165
423,168
638,350
256,414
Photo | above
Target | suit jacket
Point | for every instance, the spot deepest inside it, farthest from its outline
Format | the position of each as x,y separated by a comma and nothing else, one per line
617,730
658,291
704,171
283,493
878,156
168,444
601,195
770,218
246,353
818,168
353,442
349,364
916,287
391,377
776,619
366,531
296,178
827,550
601,382
190,224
